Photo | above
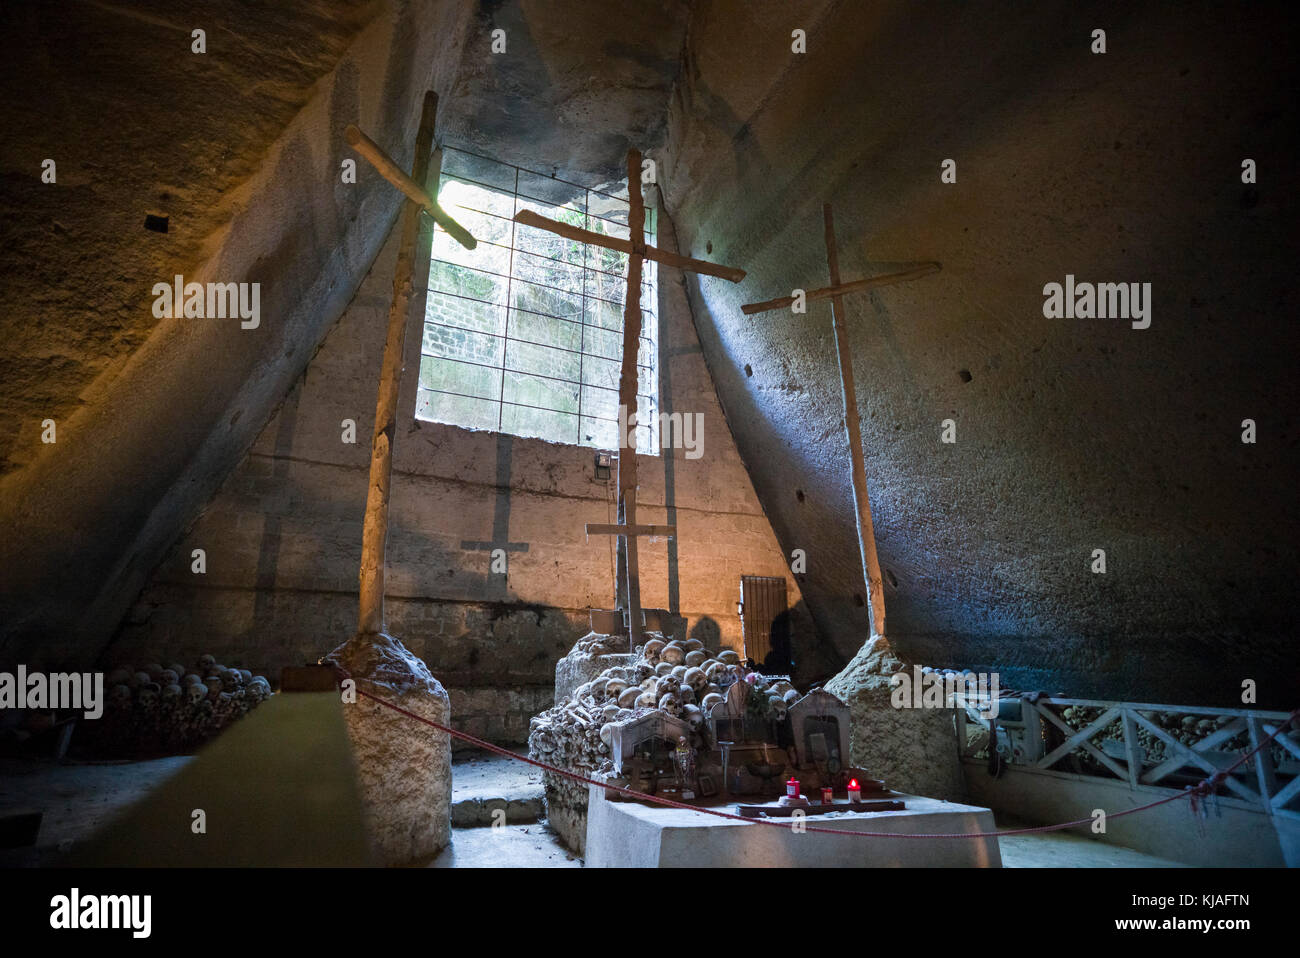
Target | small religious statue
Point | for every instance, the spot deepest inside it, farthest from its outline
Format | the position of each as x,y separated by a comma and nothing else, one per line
684,766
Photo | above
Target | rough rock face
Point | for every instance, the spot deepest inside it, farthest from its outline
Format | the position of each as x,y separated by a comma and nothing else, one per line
913,750
404,766
985,542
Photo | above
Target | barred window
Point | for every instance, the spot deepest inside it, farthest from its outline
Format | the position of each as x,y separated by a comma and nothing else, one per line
524,335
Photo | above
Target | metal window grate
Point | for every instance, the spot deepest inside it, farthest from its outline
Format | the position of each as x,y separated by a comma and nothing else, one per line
524,334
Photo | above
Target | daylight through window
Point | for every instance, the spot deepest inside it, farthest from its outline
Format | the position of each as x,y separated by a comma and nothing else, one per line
524,334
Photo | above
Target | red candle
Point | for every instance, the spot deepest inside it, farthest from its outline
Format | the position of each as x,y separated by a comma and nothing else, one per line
792,787
855,791
828,795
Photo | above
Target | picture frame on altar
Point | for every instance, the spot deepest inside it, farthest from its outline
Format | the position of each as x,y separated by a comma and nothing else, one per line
708,787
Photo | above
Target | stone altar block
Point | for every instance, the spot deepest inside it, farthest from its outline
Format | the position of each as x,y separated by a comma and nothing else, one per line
633,835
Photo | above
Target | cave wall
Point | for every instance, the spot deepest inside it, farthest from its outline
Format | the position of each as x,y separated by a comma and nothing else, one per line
1072,434
241,146
282,538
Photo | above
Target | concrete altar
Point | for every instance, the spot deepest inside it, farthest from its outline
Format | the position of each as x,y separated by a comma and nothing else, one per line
634,835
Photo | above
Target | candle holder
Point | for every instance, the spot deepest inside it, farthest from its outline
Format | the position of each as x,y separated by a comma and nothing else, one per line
792,796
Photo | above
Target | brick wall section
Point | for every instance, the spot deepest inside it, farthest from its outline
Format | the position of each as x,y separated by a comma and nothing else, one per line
283,535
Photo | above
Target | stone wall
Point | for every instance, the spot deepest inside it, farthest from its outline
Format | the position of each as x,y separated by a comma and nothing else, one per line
283,537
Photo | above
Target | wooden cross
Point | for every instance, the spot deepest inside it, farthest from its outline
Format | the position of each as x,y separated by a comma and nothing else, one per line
374,535
861,505
636,249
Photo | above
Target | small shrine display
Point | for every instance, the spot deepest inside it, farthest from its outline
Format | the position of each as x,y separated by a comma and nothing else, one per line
696,726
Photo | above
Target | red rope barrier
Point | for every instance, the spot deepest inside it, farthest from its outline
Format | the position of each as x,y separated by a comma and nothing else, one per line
1202,789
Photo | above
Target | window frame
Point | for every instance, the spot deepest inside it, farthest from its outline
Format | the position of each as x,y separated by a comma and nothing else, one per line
511,370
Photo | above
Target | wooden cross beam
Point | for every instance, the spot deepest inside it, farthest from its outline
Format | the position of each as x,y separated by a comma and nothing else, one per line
636,250
852,427
374,535
390,171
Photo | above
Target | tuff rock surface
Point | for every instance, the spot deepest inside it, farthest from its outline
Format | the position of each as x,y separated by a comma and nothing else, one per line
913,749
404,766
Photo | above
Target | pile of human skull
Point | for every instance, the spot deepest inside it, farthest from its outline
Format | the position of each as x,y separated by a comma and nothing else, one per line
1188,729
683,679
161,709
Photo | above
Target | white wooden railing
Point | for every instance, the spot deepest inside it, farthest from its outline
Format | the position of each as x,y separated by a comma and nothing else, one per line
1270,781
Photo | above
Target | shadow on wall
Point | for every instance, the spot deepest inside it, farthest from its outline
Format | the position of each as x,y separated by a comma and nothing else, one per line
795,648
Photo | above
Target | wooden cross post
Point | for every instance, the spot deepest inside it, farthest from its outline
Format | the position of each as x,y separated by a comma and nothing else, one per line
861,505
374,535
637,251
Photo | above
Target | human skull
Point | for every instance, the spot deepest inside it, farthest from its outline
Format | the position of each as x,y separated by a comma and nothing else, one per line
695,715
791,697
607,733
710,700
651,650
671,704
678,672
206,662
668,684
663,668
728,657
147,695
196,693
673,653
614,687
714,671
120,695
647,699
191,679
693,645
168,677
139,679
627,698
642,671
696,657
214,687
262,686
246,675
696,679
778,707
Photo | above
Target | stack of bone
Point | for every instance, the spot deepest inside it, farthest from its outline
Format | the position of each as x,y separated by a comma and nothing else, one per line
1185,728
682,679
165,709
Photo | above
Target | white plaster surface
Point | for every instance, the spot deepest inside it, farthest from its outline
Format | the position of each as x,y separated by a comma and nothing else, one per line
632,835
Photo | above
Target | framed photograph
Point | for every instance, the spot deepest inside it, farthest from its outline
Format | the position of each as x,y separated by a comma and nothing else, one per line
708,787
